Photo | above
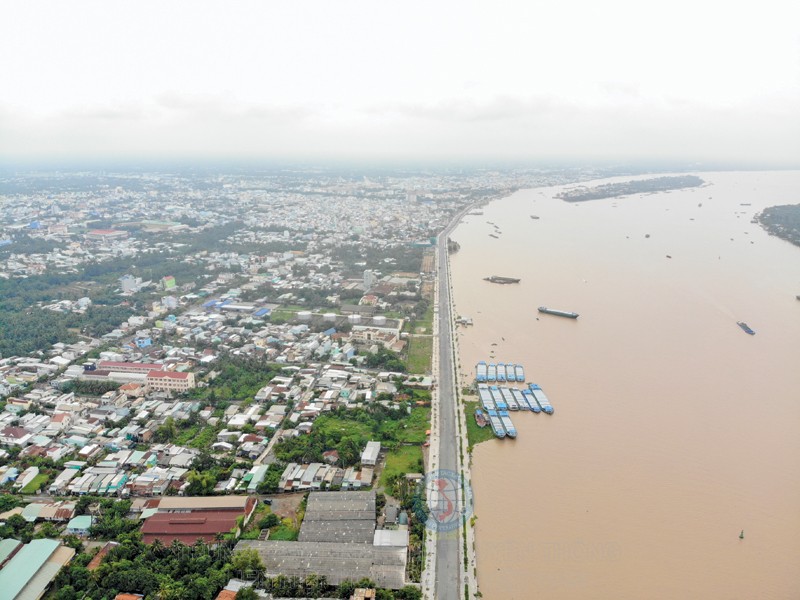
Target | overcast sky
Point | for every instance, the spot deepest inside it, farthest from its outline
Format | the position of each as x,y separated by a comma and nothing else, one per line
442,80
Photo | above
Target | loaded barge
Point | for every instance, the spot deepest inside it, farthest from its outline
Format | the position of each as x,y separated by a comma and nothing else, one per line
538,394
497,424
501,280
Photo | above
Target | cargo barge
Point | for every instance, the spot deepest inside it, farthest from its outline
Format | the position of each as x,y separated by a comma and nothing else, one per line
481,372
496,423
501,372
498,398
534,406
491,373
520,399
508,396
486,398
501,280
558,313
511,431
540,397
519,373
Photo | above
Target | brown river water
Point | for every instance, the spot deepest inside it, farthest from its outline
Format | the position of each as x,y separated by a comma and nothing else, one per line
673,429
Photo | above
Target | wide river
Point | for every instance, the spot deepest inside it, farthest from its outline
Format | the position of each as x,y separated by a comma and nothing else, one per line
673,429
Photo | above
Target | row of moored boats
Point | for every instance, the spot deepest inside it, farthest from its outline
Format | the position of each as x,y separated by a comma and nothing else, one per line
499,372
496,402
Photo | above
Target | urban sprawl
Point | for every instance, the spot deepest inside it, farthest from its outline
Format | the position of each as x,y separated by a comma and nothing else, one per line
237,365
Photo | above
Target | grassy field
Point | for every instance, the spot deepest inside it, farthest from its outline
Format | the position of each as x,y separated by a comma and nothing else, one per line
420,351
406,459
34,485
475,434
412,429
329,424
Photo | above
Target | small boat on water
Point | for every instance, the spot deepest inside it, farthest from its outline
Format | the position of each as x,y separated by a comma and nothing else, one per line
501,371
519,373
745,327
558,313
501,280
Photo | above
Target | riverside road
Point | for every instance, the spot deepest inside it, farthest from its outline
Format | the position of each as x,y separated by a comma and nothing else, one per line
448,544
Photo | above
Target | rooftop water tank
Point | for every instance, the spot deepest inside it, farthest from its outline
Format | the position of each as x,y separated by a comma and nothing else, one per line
304,315
379,320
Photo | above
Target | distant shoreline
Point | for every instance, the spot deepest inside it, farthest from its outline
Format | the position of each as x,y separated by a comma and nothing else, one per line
627,188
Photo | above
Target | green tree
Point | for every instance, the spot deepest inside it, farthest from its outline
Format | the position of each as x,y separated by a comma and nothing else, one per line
247,593
246,561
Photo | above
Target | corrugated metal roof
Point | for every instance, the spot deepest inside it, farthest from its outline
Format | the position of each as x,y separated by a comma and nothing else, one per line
23,567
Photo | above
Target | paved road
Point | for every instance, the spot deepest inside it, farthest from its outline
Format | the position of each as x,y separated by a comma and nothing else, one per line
448,544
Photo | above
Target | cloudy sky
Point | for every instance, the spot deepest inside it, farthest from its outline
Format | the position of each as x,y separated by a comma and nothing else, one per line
400,80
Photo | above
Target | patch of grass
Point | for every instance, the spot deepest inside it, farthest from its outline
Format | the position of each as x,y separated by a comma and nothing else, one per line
329,424
475,434
406,459
285,532
412,430
420,351
34,485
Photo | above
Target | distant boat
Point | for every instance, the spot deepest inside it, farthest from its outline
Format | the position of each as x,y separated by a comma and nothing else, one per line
558,313
501,280
745,327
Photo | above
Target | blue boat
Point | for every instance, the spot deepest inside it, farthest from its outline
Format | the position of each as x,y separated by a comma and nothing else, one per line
491,373
520,398
543,401
498,398
481,372
496,423
509,399
511,431
486,397
501,372
745,327
532,403
519,373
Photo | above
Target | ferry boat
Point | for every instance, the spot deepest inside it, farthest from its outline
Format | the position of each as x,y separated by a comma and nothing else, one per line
511,431
481,372
745,327
520,398
496,423
509,399
480,418
538,393
491,372
534,406
558,313
519,373
486,397
498,398
501,372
